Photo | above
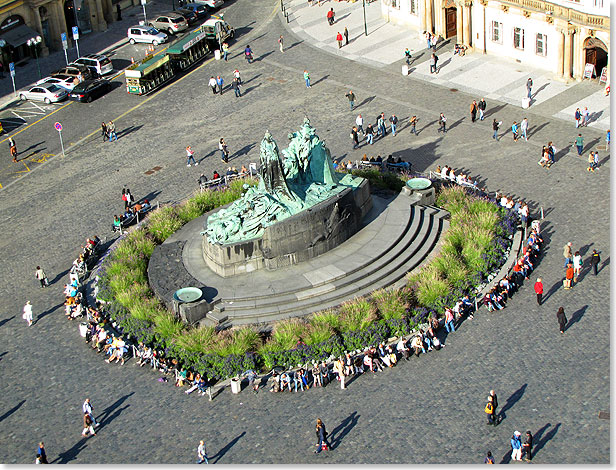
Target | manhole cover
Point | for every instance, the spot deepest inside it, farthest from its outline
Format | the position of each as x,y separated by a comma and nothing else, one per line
453,89
604,415
149,172
156,168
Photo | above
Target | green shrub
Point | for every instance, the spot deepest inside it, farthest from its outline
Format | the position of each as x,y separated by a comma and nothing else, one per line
238,342
431,290
287,333
166,326
382,180
329,317
202,339
390,303
162,223
452,269
318,333
356,314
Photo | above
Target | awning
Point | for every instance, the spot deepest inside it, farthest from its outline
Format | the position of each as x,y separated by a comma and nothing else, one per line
19,35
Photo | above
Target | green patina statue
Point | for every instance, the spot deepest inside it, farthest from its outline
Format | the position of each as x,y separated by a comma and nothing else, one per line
302,177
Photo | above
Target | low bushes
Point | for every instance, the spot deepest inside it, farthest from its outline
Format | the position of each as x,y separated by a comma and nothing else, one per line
476,243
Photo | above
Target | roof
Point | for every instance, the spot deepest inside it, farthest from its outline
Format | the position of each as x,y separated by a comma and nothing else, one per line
212,21
186,42
147,66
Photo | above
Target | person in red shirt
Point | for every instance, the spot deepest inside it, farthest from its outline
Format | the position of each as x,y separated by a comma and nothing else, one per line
330,16
539,290
569,276
339,39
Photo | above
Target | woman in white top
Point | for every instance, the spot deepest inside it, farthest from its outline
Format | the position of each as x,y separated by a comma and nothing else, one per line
577,265
28,313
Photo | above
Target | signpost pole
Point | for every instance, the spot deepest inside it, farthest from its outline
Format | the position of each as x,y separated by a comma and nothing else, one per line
64,46
145,18
12,72
58,127
76,38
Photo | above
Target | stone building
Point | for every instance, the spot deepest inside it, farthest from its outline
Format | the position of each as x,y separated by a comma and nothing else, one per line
561,36
21,20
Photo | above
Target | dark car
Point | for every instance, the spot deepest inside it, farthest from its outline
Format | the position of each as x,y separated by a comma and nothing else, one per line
198,8
89,90
189,15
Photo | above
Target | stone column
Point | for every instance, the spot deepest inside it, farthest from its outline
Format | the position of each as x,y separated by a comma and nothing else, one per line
561,47
567,55
579,59
439,18
459,30
44,52
429,15
466,17
422,15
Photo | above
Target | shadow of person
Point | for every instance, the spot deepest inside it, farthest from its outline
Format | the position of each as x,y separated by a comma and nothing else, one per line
605,263
324,77
47,312
540,443
576,317
6,320
340,431
512,400
551,291
12,410
59,276
226,448
105,415
534,95
72,453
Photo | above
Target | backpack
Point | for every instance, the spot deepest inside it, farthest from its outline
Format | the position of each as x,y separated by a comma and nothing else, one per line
489,409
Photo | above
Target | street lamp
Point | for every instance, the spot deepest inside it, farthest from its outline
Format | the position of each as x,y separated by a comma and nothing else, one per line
34,42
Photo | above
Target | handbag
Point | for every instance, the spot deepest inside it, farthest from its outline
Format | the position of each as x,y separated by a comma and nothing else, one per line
489,409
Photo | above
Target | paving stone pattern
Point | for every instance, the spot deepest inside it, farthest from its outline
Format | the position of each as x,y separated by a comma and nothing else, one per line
429,410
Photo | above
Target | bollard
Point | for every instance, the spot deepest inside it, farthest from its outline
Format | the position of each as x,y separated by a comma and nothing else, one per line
287,15
542,213
209,389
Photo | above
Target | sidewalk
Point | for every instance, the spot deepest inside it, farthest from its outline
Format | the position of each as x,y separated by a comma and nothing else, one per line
474,73
96,42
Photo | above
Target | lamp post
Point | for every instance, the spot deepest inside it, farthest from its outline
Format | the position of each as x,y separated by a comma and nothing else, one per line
365,24
34,42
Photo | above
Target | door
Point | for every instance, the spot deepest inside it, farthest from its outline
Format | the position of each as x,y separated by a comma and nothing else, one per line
451,27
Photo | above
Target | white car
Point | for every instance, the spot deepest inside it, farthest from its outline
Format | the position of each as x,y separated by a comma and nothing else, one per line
210,4
61,80
147,34
47,92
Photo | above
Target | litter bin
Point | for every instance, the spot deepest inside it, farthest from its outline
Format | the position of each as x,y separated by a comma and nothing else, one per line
405,69
217,54
526,103
235,386
83,329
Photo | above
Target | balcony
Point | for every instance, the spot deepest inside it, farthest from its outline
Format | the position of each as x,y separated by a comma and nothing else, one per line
561,12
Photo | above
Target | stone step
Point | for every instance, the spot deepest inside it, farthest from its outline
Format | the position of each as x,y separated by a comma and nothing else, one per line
376,280
350,274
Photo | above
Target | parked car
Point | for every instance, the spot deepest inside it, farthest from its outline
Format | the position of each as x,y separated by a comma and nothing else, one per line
199,9
61,80
47,92
146,34
170,22
74,70
188,15
88,90
98,64
210,4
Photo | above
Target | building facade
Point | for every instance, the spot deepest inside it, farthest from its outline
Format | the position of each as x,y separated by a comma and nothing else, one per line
560,36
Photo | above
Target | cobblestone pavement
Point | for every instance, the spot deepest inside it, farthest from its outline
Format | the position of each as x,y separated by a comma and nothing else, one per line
429,410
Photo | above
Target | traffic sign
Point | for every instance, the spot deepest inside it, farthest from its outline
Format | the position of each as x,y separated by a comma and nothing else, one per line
75,33
58,126
12,66
64,41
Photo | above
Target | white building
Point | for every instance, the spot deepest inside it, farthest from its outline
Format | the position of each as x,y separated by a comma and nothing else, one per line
561,36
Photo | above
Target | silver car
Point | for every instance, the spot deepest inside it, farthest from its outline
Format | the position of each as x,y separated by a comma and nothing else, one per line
47,92
170,22
146,34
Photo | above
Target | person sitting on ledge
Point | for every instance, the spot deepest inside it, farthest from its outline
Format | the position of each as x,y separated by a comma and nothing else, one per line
392,355
316,376
298,378
372,159
215,175
444,171
116,221
402,349
324,373
417,345
378,159
365,158
195,384
275,382
181,378
384,356
145,205
285,382
243,170
390,159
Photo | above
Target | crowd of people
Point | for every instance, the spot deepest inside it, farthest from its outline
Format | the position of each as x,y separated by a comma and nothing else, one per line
132,211
448,173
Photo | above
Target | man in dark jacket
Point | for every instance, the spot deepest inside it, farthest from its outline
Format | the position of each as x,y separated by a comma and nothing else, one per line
495,403
482,108
355,137
527,447
595,259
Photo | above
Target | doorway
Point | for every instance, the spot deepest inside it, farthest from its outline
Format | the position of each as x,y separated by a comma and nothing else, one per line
451,26
596,54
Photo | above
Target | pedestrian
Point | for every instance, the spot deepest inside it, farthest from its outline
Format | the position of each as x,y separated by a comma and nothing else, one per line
41,276
577,265
428,38
104,132
495,418
585,117
370,134
236,74
330,16
359,122
514,131
449,321
28,313
224,151
248,53
569,276
473,111
381,126
87,425
281,43
1,70
568,253
482,108
307,78
220,83
529,87
524,128
433,60
339,369
539,290
562,319
407,55
88,408
354,137
339,39
528,447
235,84
321,432
578,117
13,149
346,36
489,410
394,123
202,453
41,454
442,123
579,143
119,11
489,459
111,129
413,123
225,50
516,446
595,259
212,84
129,198
607,140
495,125
190,156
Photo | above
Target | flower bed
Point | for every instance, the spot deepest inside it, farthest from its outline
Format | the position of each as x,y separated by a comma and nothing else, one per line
476,244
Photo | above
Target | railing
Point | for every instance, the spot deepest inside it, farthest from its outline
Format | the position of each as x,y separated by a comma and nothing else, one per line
562,12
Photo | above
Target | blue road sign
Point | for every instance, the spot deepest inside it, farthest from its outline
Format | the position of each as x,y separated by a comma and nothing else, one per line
75,33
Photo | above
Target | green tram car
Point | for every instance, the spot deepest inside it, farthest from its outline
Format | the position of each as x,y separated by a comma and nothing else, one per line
155,71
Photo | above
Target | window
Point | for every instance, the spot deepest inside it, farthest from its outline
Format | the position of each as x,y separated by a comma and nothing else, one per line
395,4
598,3
413,5
496,32
518,38
541,46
